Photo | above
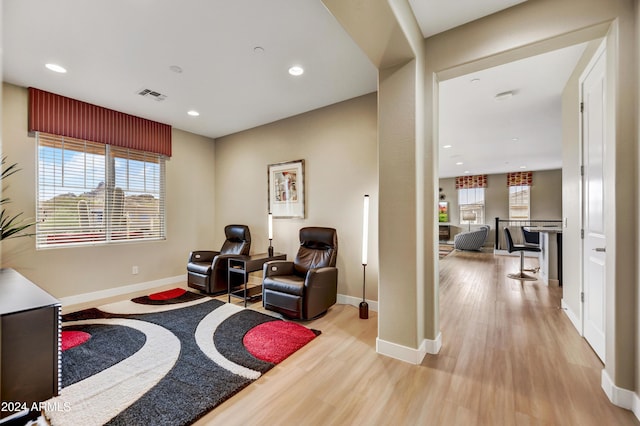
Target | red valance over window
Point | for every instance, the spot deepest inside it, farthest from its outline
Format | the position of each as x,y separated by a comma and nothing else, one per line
468,182
62,116
520,179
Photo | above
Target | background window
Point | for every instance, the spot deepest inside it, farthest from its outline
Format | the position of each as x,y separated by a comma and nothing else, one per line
471,205
519,202
91,193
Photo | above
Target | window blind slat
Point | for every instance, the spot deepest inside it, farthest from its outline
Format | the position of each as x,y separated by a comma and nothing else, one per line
90,193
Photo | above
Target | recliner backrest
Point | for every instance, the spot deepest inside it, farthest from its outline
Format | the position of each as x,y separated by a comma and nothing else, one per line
318,249
238,240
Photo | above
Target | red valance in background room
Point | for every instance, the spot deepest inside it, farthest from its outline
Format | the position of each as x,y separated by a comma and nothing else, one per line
62,116
468,182
520,179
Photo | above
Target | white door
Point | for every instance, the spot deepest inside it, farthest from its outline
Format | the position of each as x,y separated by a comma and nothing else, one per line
593,145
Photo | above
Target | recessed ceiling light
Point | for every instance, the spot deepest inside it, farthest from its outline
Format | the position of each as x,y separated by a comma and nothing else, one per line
515,139
467,172
258,49
523,167
56,68
447,146
296,70
504,95
193,113
475,80
176,69
459,163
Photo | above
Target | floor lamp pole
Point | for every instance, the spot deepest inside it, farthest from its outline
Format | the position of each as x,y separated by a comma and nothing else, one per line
364,306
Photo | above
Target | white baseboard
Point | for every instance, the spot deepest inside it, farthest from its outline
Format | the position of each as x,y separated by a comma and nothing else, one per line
575,319
119,291
621,397
343,299
432,346
406,354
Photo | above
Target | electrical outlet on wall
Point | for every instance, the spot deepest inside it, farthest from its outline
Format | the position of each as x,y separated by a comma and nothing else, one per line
134,270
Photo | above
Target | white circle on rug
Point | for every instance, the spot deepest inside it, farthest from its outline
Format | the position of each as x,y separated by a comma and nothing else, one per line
97,399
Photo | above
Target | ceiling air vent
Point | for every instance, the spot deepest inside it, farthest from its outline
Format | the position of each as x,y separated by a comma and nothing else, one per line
152,94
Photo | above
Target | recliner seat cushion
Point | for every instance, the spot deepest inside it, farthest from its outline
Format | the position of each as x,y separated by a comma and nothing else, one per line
290,284
199,267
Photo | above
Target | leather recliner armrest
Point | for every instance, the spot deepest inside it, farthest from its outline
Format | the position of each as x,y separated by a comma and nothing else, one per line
321,287
321,278
203,256
224,258
277,267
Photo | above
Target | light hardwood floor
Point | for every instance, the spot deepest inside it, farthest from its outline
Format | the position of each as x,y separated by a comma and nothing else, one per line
510,357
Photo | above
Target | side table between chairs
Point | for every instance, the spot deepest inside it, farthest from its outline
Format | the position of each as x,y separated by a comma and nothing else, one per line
244,265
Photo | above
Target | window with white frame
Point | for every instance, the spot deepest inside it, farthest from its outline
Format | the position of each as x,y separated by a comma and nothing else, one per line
92,193
519,202
471,205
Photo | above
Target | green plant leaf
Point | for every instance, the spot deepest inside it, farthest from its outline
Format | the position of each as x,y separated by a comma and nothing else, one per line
11,226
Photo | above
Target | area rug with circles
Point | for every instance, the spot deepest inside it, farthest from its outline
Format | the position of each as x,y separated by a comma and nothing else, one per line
166,358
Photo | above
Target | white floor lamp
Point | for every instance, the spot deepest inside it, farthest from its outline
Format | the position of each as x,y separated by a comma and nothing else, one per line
270,224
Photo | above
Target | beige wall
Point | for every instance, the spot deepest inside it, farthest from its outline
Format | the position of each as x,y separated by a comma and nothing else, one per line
408,314
72,271
399,239
339,146
546,199
637,207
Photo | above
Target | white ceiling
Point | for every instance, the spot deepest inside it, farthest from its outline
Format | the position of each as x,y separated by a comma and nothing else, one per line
436,16
114,48
481,130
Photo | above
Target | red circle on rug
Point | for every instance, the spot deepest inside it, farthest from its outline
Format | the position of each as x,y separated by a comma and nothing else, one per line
169,294
71,339
274,341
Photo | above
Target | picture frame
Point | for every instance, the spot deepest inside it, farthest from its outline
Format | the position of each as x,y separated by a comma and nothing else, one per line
443,211
286,189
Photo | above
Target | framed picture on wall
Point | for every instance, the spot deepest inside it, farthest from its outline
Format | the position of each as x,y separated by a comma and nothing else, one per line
286,189
443,211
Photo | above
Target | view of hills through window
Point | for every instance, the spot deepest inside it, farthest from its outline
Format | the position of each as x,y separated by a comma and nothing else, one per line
77,204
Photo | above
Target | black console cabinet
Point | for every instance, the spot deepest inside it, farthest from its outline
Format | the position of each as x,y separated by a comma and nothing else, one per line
29,344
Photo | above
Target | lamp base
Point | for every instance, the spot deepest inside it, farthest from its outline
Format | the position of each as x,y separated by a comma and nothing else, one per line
270,251
364,310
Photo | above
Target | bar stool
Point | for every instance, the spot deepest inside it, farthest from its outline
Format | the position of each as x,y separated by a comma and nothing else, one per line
531,238
521,248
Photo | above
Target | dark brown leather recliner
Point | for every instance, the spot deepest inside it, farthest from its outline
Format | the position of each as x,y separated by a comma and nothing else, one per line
207,270
308,286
